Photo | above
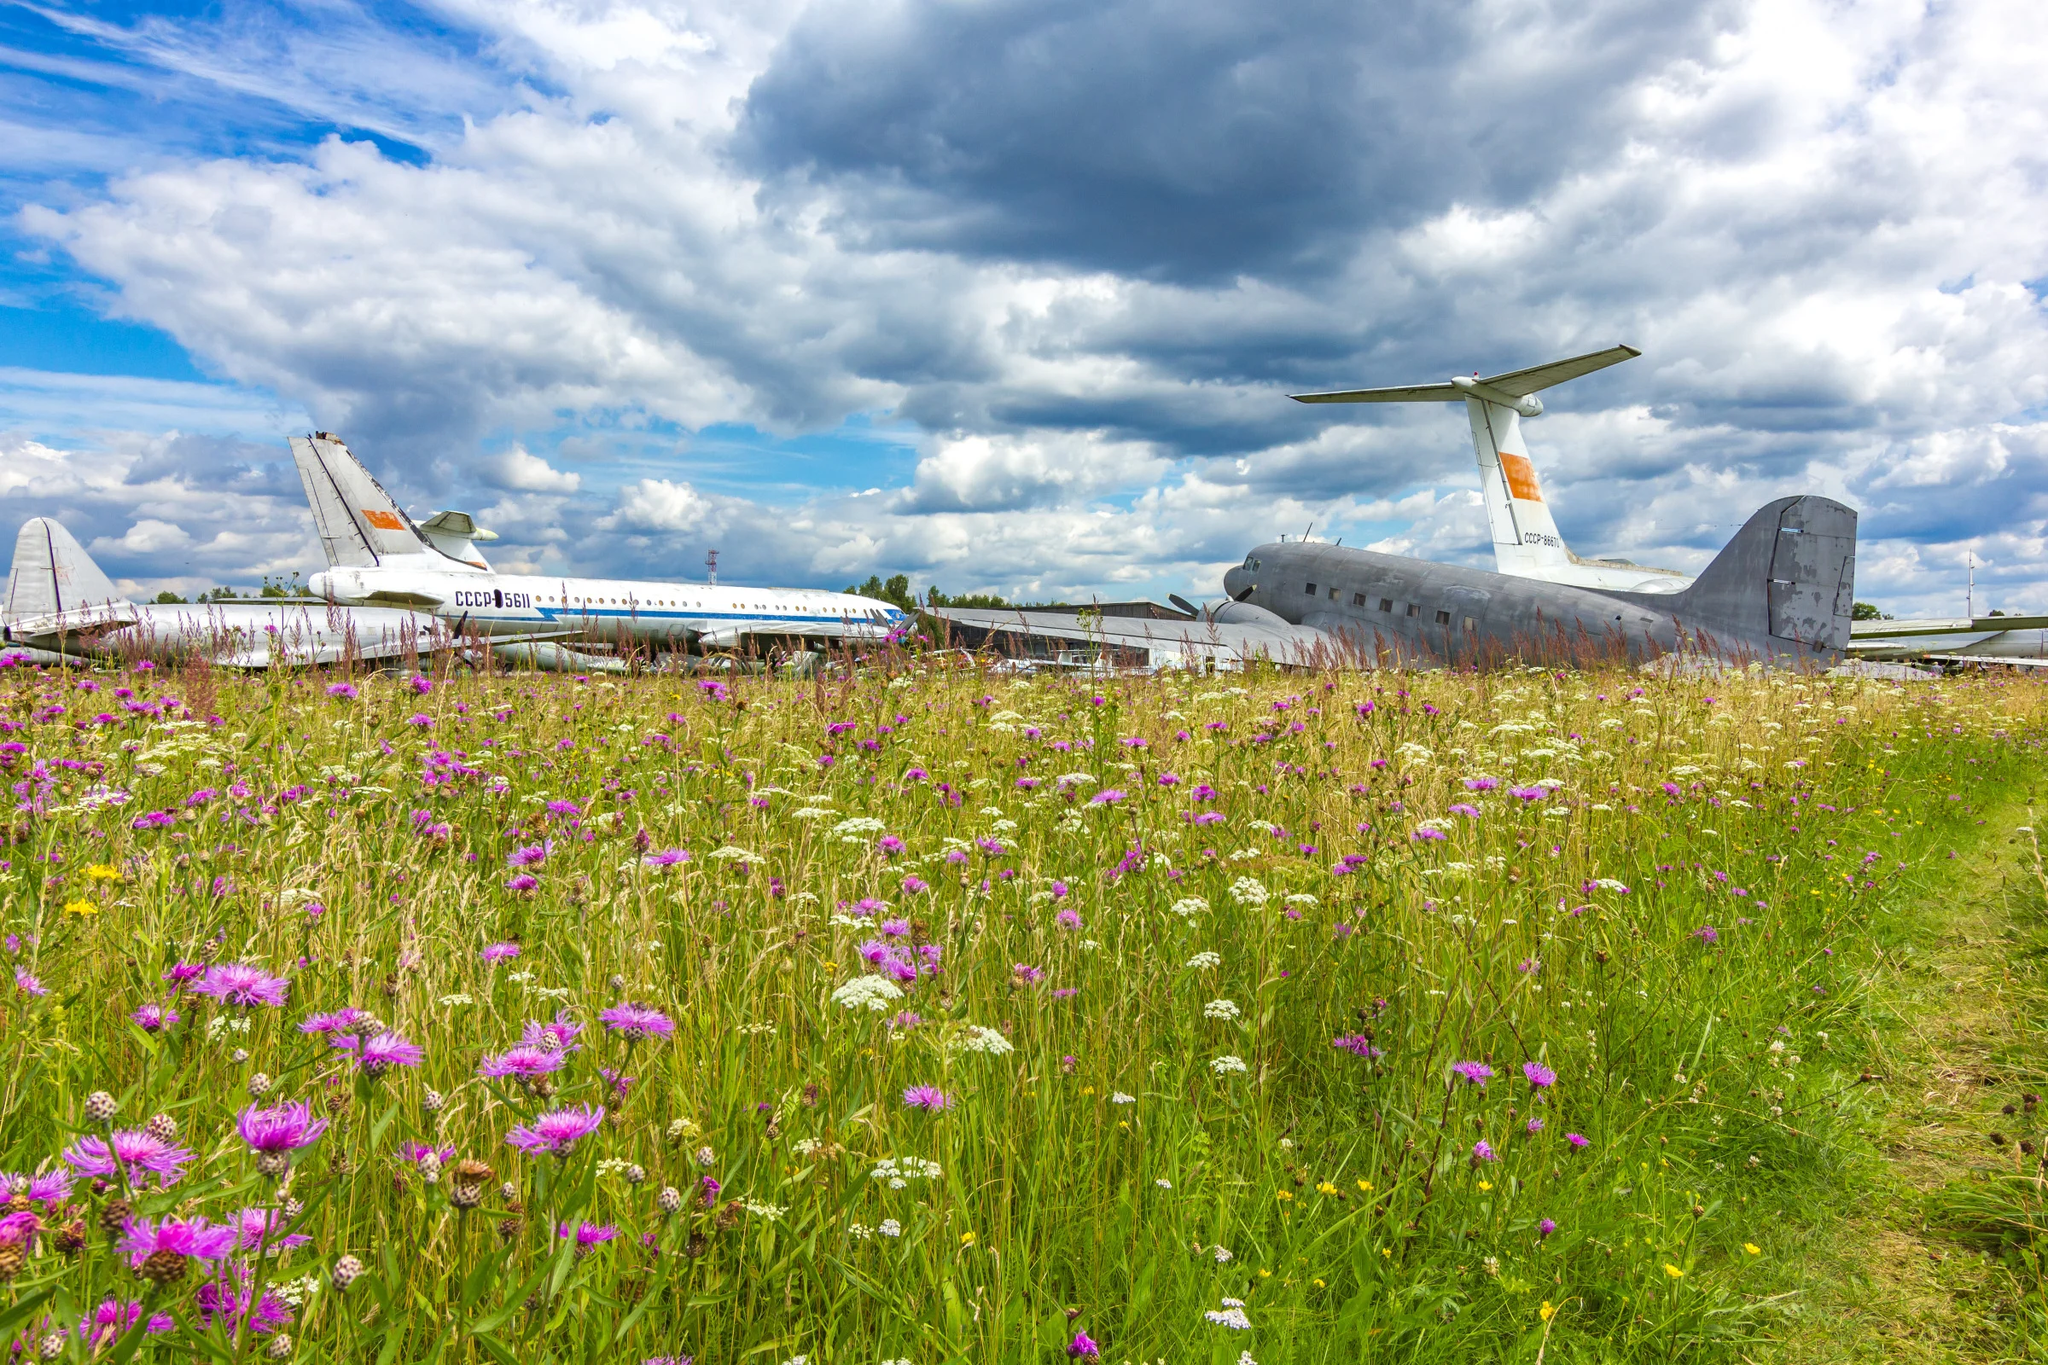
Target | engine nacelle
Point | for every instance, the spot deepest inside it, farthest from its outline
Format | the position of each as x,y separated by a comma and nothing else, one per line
1245,614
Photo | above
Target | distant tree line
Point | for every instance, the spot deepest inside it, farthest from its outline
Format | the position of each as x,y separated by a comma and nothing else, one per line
272,587
896,591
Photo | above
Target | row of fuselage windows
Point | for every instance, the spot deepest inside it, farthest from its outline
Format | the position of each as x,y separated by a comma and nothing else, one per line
630,602
1386,604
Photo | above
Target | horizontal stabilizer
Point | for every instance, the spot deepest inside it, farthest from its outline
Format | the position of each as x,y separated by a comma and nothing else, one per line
1400,393
1513,384
1521,382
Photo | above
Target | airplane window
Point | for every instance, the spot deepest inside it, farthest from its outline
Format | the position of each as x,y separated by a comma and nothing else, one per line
1333,594
1443,618
1310,590
1358,599
1414,609
1470,624
1386,604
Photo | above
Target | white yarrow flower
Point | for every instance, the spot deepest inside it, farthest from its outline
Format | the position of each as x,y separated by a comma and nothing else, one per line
1226,1064
1221,1009
873,992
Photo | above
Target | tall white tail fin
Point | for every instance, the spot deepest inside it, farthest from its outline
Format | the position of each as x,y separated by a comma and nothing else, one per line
1525,538
359,523
53,574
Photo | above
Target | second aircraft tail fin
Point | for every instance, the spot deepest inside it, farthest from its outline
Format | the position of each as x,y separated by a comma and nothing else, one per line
1789,573
359,523
53,575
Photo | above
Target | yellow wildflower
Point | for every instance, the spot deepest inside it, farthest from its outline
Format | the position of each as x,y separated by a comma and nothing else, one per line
1326,1188
1673,1271
103,872
1319,1284
1485,1184
1546,1312
1284,1196
1265,1274
1752,1248
967,1239
81,907
1366,1186
1087,1089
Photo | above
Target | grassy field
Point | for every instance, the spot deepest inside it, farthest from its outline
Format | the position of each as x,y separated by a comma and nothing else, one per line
927,1017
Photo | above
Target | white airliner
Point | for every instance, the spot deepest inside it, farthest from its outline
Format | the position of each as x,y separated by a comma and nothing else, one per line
1525,539
376,554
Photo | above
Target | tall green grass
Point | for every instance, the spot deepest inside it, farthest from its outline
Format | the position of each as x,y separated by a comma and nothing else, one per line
1670,894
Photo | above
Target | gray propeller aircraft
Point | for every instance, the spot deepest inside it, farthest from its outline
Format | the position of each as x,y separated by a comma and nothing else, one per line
1781,592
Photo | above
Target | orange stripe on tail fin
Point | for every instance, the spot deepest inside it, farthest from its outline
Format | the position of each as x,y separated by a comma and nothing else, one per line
1521,476
386,521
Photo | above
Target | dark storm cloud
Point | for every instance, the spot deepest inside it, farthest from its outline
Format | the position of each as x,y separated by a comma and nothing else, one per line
1193,141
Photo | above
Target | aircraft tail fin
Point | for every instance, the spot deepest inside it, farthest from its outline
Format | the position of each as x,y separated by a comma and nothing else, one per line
52,574
359,523
1525,538
1789,574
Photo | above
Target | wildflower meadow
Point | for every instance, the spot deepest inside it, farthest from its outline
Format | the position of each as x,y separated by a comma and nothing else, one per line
917,1014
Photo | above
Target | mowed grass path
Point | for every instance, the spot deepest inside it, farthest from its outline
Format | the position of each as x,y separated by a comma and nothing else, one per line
919,1015
1937,1257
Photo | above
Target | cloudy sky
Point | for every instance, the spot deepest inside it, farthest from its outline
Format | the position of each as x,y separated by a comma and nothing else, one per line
1008,294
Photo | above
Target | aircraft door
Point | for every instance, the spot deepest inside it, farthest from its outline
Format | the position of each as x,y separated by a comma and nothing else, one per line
1467,626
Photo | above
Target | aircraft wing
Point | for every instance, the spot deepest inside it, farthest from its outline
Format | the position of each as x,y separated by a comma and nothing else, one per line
76,623
1400,393
1068,639
726,634
1959,625
1523,382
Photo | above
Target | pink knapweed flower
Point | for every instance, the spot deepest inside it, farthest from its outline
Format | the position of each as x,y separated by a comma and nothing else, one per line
195,1237
556,1131
130,1150
377,1055
281,1128
523,1062
237,983
634,1022
927,1097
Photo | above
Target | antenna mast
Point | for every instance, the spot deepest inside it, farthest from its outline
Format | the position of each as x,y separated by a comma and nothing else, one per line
1970,593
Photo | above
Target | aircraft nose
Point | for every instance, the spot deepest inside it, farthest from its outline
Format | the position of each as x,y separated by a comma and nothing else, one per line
1234,581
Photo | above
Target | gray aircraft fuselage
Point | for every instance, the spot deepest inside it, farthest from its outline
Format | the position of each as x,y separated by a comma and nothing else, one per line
1413,610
